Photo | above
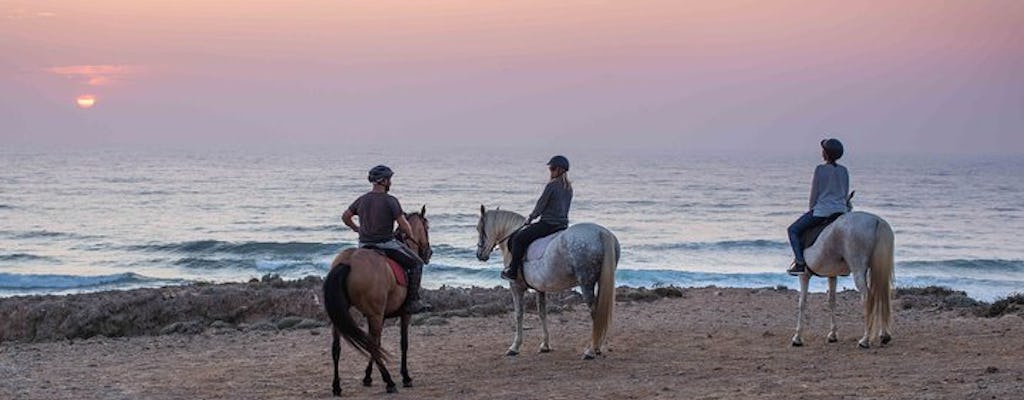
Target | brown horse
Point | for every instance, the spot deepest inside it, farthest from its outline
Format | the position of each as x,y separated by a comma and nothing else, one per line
362,278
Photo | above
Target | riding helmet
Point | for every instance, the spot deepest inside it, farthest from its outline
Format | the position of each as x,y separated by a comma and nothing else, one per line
380,173
559,161
833,148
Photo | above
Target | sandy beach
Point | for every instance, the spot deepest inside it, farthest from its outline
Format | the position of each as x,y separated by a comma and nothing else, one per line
708,343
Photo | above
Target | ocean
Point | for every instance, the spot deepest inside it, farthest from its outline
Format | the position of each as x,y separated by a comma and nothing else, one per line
99,219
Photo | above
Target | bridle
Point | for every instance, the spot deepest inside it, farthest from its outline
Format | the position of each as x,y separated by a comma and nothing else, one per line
483,234
421,249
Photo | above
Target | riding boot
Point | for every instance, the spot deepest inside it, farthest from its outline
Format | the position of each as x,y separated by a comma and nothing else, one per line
510,272
798,268
413,305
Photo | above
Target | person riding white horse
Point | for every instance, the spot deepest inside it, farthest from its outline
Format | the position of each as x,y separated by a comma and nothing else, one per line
830,189
553,210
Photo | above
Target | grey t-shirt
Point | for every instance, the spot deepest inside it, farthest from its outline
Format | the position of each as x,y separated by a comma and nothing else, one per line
829,188
553,205
377,215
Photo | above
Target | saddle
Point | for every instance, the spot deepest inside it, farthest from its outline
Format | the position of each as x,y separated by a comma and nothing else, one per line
811,235
396,268
536,250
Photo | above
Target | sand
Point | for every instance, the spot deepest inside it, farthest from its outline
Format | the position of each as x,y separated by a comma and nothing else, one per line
710,343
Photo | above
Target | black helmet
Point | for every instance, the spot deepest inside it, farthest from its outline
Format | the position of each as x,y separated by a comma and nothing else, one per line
833,148
559,161
379,173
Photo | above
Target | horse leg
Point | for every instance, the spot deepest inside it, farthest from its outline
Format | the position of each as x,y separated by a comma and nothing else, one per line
832,338
368,378
517,302
542,309
860,279
406,380
376,325
588,296
805,280
335,354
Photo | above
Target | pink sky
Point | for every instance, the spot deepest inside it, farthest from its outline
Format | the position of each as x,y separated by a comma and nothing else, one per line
714,75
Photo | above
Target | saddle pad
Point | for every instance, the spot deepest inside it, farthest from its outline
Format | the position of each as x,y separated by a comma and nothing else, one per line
811,235
398,271
536,250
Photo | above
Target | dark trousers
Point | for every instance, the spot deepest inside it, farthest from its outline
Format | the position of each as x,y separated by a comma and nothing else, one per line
801,225
519,242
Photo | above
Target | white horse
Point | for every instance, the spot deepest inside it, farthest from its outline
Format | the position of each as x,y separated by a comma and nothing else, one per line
861,244
584,255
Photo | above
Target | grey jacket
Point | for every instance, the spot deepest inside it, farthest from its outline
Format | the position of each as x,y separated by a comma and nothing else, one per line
829,188
553,205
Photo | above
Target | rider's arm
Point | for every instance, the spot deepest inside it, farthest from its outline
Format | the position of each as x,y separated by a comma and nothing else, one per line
814,187
347,219
403,224
541,203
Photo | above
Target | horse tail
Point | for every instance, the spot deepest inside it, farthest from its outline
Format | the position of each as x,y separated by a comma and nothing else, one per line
336,303
605,289
878,311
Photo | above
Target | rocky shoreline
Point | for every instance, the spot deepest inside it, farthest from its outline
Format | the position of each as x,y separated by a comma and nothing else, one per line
272,304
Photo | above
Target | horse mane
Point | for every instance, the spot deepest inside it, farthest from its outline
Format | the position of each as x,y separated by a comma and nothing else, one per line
498,217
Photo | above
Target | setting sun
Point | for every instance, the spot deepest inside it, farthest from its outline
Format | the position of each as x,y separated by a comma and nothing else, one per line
85,101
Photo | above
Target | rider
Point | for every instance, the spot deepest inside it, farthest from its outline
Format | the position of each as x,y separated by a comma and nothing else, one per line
553,210
378,211
829,190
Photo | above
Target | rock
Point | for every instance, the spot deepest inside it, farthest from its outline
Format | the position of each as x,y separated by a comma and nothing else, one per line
218,324
309,324
288,322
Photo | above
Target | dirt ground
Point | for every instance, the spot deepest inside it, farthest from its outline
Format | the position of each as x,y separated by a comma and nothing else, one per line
711,343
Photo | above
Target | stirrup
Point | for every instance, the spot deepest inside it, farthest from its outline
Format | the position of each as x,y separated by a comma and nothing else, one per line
797,269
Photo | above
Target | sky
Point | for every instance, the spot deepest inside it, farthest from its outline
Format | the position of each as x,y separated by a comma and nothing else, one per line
772,76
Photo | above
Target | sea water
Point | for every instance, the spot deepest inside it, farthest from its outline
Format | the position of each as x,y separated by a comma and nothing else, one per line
98,219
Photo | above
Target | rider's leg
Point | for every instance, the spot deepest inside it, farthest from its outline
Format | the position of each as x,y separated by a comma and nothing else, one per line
801,225
413,267
520,242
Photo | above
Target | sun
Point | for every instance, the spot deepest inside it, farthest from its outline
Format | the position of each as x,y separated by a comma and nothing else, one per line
85,101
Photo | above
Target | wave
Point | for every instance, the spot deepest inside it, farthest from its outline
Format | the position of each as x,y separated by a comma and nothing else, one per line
6,207
720,245
23,257
252,264
964,265
244,248
44,283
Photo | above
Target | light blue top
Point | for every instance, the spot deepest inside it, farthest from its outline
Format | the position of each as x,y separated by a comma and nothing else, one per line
829,189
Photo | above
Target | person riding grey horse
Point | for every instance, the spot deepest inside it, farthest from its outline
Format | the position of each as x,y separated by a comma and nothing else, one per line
378,212
830,189
553,210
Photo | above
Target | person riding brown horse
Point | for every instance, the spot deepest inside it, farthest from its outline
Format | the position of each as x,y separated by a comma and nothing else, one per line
378,212
361,278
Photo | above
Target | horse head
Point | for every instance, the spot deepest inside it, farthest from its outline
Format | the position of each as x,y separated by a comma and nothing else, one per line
420,238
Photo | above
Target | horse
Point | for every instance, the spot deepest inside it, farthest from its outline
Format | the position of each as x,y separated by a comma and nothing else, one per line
362,278
583,255
860,244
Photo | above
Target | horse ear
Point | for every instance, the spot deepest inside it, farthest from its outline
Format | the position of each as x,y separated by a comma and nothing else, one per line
423,211
482,211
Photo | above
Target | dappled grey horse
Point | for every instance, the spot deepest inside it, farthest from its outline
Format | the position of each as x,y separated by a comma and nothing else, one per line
584,255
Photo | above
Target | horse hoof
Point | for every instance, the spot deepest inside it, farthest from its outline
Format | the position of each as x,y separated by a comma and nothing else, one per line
392,389
886,339
407,383
832,339
545,350
588,356
336,392
797,343
864,345
511,353
367,383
